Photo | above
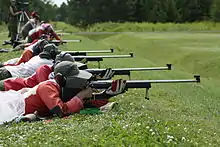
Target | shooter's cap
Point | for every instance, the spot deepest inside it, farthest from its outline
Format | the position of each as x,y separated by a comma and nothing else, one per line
64,56
75,78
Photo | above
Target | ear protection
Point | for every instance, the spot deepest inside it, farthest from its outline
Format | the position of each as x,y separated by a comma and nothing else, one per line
59,57
62,54
53,52
61,80
42,44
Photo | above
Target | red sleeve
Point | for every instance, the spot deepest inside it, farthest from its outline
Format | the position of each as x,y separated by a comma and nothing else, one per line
27,44
42,73
50,94
35,40
55,35
14,84
26,56
40,33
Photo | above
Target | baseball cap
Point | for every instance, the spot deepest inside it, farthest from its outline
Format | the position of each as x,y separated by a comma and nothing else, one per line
64,56
75,78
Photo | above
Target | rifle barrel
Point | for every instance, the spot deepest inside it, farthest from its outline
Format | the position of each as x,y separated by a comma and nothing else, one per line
64,41
142,83
122,71
129,84
105,56
92,51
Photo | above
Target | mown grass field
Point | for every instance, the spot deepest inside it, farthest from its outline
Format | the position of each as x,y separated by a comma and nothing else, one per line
175,115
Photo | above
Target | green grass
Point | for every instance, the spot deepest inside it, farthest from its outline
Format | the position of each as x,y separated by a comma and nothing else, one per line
64,27
175,115
3,27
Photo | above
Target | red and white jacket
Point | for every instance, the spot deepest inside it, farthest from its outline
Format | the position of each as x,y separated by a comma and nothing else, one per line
27,69
29,52
36,33
45,97
41,74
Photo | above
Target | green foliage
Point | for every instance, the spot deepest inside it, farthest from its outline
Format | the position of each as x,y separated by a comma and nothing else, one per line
46,9
215,11
151,27
84,13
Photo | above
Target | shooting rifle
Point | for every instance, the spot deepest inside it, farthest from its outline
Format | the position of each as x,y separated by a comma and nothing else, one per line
64,41
127,71
84,53
100,58
14,43
7,42
57,42
142,83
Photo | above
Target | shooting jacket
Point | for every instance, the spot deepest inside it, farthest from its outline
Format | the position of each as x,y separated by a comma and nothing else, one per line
29,52
45,97
36,33
41,74
27,69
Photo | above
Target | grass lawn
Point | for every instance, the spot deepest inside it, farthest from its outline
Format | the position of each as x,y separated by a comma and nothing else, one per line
175,115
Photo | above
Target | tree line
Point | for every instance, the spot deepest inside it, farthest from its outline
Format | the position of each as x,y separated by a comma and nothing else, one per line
86,12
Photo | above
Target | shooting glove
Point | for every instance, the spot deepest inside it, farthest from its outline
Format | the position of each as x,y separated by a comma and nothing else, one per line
107,74
117,87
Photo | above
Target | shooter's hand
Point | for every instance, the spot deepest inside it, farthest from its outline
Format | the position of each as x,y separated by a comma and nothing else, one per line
86,93
117,87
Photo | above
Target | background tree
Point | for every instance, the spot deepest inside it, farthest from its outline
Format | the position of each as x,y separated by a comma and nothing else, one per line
87,12
215,11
